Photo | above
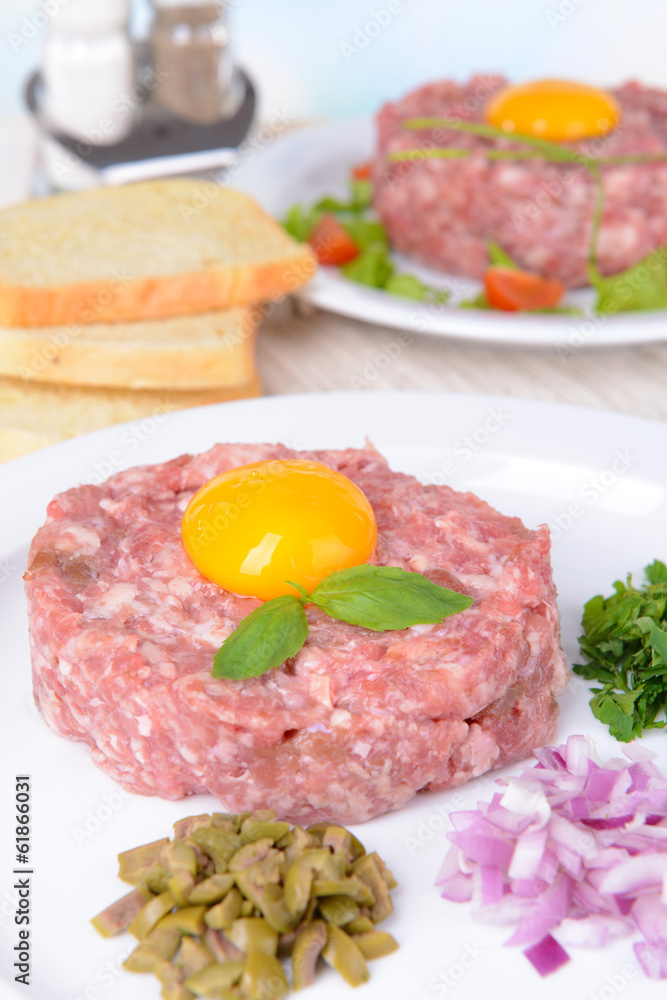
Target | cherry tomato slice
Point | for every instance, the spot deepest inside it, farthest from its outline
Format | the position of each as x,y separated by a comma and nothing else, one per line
331,243
514,290
362,171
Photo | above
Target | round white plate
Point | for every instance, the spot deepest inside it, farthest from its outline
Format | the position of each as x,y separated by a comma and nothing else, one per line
598,478
308,163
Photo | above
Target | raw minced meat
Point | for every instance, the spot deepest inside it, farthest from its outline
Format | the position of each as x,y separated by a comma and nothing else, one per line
123,630
443,212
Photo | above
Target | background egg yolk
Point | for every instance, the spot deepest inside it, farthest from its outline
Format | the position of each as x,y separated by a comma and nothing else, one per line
255,527
553,109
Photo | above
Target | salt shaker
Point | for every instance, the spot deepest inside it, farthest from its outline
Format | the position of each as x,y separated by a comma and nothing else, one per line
88,71
191,58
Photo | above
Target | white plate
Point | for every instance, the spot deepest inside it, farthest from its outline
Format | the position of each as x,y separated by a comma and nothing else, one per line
527,458
308,163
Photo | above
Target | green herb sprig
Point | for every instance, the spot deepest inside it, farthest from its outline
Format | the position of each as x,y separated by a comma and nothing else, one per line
642,286
625,642
374,597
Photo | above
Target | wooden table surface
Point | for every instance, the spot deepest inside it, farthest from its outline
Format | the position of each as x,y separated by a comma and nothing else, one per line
320,351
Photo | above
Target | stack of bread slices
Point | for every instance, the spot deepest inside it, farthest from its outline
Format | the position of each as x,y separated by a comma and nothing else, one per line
128,302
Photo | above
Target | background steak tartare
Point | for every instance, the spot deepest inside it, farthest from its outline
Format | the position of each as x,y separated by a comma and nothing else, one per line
444,212
123,629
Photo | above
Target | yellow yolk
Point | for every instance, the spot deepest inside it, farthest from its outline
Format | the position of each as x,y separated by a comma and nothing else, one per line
553,109
252,529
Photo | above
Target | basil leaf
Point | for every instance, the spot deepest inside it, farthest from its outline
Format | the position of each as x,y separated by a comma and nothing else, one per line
385,597
372,267
265,639
642,286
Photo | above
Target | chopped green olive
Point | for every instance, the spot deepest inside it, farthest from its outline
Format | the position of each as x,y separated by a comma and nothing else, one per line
214,908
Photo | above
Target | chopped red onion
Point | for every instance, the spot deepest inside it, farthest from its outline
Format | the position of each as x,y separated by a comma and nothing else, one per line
547,955
573,847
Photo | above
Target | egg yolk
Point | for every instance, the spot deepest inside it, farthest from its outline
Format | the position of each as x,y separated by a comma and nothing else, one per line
553,109
255,527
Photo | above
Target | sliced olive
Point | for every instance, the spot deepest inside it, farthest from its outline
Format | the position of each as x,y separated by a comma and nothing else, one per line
366,869
180,886
160,945
384,871
176,991
145,865
338,839
353,887
255,829
181,857
253,934
300,842
119,915
184,828
307,949
344,955
361,925
216,980
338,909
226,911
193,956
219,844
299,876
263,977
212,889
222,949
249,854
188,919
153,911
376,944
272,905
141,960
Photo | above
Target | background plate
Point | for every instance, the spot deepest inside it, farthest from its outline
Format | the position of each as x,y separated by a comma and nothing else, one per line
591,475
308,163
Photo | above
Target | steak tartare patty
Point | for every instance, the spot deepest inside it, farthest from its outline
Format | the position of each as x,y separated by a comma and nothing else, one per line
123,630
444,212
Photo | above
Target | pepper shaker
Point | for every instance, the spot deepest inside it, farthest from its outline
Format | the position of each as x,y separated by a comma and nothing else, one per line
88,71
191,58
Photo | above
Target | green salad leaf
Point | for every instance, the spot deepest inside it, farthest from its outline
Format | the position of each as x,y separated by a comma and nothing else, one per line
642,286
299,222
372,267
365,231
375,597
625,643
498,257
408,286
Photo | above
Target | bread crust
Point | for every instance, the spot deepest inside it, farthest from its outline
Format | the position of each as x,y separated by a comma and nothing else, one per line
206,351
142,251
34,415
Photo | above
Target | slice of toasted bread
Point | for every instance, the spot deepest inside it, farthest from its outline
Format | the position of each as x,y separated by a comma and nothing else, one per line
143,251
33,415
205,351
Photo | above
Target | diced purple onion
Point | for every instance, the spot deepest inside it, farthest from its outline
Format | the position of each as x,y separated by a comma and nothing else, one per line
547,955
574,847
